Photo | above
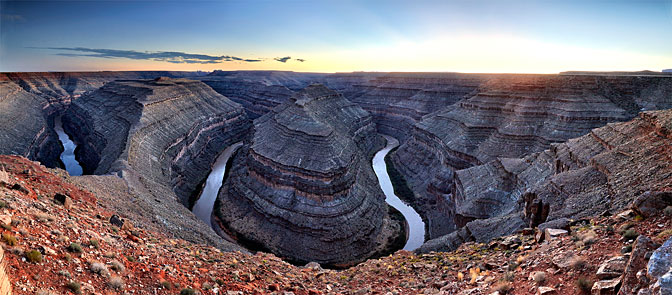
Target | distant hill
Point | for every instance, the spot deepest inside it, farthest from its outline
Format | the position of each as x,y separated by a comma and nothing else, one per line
619,73
667,71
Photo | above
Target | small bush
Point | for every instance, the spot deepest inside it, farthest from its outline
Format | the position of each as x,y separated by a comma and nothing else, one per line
34,256
116,282
99,268
75,248
509,276
65,273
166,285
3,204
188,291
539,277
74,287
589,238
577,262
630,234
665,234
95,243
503,287
117,266
9,239
626,249
625,226
584,284
609,229
130,258
668,211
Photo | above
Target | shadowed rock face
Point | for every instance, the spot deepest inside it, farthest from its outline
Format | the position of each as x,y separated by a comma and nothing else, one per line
511,116
167,130
303,187
25,127
603,171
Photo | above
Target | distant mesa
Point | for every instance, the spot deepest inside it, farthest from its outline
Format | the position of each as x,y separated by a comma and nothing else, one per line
667,71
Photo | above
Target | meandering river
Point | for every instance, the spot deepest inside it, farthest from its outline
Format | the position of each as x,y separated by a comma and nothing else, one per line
68,155
416,227
203,207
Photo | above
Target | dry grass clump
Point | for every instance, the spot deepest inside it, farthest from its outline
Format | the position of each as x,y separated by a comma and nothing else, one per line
100,268
503,287
577,262
116,282
117,266
539,277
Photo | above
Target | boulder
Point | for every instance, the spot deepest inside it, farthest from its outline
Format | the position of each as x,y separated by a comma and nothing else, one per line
554,233
612,268
545,291
606,287
650,203
64,200
659,269
641,250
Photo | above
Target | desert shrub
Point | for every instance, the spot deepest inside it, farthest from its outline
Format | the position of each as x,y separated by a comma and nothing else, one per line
64,273
509,276
503,287
668,211
74,287
34,256
589,237
584,284
626,249
609,229
577,262
9,239
117,266
188,291
625,226
3,204
664,235
116,282
630,234
75,248
539,277
95,243
99,268
166,285
130,258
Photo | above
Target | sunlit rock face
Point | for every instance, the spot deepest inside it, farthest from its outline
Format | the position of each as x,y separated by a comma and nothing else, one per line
168,131
303,186
511,116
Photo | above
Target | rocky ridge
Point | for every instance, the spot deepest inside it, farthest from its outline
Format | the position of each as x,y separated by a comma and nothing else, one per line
81,249
598,173
524,113
303,186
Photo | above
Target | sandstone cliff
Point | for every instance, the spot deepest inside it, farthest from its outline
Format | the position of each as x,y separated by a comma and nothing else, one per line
303,186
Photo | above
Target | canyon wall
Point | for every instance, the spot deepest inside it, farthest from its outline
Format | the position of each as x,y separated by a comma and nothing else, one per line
160,136
303,188
512,116
600,173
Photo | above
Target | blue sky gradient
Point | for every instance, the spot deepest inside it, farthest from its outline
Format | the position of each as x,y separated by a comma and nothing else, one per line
469,36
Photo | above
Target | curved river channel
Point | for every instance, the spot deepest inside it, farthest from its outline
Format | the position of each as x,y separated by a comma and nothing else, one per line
68,155
416,227
203,207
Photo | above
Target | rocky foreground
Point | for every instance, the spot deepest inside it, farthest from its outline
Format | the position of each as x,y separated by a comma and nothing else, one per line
60,239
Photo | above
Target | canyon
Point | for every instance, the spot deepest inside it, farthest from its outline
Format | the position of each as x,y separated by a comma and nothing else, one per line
480,155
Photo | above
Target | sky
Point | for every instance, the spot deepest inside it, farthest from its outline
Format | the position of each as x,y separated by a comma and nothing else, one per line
337,36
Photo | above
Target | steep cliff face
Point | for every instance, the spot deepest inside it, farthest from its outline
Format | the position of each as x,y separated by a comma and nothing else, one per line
303,187
399,100
25,126
512,116
596,174
257,98
169,131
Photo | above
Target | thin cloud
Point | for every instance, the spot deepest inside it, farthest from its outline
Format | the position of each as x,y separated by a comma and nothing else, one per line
12,17
282,59
164,56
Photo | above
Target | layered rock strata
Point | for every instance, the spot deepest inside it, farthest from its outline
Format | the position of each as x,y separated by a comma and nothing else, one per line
303,186
167,130
596,174
512,116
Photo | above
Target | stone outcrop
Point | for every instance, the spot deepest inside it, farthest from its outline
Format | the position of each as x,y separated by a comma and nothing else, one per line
257,98
601,172
511,116
303,187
